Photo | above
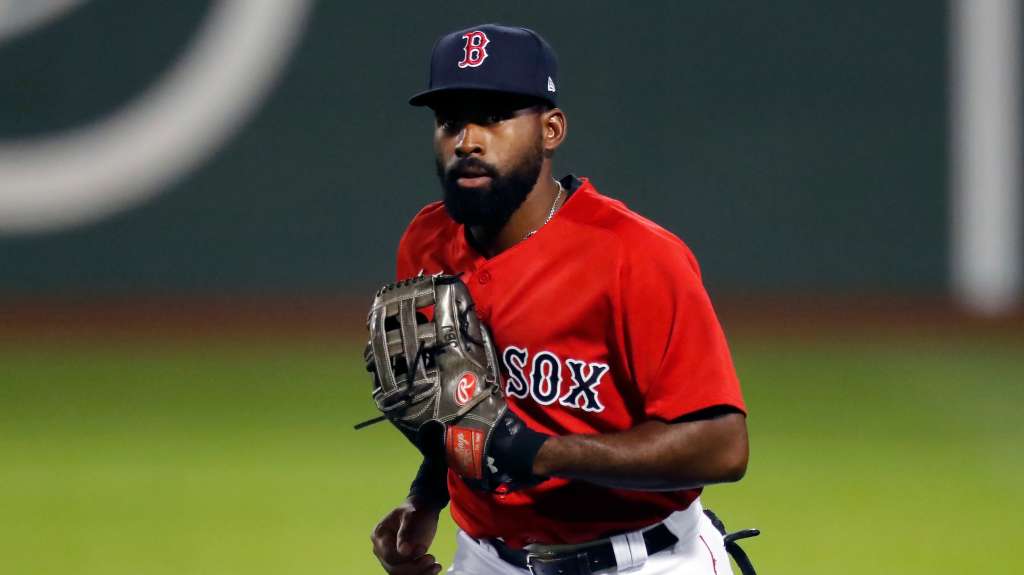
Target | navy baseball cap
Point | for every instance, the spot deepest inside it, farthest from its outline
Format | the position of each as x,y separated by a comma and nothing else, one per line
493,58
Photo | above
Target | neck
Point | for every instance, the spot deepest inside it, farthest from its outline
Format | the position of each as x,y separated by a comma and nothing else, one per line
530,215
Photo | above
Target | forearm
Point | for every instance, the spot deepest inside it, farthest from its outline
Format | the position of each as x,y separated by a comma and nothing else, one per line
430,488
653,456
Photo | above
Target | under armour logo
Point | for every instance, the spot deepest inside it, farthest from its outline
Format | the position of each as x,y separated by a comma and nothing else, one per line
475,50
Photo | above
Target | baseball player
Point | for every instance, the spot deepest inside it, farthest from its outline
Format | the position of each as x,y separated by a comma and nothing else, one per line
610,352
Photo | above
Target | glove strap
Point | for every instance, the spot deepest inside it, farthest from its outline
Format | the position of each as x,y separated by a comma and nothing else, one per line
369,422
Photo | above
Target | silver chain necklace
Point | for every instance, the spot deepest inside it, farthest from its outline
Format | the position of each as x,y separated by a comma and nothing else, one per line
554,208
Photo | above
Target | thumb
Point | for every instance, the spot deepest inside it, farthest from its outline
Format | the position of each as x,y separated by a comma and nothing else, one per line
414,535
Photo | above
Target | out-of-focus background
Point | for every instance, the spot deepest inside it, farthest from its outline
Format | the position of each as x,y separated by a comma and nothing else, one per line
197,199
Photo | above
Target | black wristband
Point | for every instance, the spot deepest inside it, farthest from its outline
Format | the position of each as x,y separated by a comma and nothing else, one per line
431,483
516,446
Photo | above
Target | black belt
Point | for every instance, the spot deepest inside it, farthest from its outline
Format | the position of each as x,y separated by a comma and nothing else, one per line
583,561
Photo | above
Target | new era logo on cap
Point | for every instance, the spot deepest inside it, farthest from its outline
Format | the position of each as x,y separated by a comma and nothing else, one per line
494,58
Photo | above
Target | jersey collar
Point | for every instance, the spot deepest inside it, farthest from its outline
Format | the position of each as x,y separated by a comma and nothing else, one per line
577,188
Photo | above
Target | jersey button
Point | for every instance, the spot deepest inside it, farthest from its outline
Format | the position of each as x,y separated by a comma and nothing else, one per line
483,277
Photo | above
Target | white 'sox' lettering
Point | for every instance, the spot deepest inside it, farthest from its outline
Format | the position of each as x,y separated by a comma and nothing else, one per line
540,377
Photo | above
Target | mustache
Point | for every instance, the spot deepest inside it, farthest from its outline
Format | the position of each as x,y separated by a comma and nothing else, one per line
470,168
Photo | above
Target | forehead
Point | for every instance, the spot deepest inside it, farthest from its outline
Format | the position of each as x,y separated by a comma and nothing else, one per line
473,102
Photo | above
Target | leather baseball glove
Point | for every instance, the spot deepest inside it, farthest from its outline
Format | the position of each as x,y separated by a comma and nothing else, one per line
436,378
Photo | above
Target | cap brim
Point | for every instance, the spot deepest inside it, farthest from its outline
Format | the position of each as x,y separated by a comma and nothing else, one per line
430,97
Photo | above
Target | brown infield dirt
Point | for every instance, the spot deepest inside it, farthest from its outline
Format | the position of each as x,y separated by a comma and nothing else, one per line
343,318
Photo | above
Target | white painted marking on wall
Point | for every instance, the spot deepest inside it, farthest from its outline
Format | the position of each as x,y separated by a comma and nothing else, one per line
986,154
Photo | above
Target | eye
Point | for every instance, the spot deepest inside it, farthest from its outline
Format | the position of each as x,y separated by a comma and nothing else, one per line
497,117
447,124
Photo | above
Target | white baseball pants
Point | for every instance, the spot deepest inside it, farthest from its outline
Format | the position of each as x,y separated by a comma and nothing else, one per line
699,551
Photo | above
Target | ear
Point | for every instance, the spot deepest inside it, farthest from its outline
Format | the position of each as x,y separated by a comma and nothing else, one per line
554,126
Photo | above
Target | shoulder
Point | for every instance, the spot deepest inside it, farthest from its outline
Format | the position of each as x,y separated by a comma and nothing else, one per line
430,225
431,215
638,241
424,243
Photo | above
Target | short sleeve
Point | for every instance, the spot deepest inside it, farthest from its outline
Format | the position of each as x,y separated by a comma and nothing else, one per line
405,264
425,243
675,344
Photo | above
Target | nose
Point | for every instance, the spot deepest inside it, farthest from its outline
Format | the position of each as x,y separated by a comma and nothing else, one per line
470,141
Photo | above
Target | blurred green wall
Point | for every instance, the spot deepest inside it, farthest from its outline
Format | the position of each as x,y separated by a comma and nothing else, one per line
796,146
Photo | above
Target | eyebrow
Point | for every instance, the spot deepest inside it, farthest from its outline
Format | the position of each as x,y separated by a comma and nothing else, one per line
512,112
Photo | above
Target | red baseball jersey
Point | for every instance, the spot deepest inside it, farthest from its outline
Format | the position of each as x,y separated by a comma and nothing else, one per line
601,323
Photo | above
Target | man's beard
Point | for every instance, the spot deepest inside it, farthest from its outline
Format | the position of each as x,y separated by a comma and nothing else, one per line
489,208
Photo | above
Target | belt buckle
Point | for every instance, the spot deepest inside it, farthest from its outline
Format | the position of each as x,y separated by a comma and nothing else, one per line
576,564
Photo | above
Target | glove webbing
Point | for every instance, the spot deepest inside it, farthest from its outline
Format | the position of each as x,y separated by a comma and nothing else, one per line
405,398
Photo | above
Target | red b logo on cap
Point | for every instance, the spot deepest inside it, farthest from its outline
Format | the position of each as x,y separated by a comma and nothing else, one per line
475,49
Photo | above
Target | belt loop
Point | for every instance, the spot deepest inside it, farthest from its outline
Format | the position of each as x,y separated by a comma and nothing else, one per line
630,550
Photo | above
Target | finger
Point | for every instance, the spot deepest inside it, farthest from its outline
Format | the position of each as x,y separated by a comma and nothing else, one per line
433,569
385,548
413,535
425,565
391,522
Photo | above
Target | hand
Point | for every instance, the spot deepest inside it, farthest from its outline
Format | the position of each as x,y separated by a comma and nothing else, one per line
401,539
